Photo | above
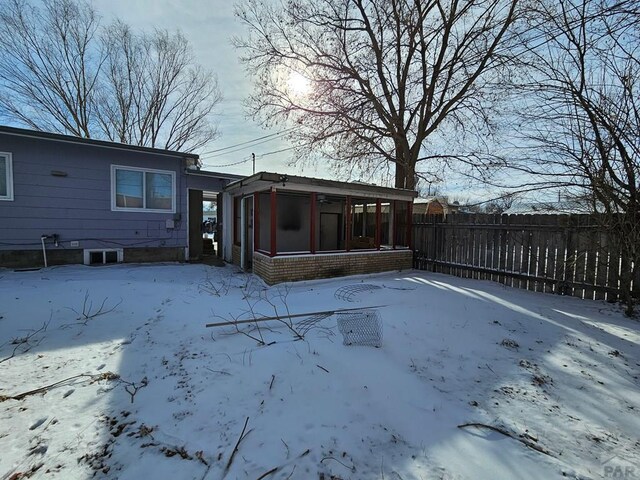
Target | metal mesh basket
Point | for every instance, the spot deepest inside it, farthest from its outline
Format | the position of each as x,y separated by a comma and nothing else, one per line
348,293
360,327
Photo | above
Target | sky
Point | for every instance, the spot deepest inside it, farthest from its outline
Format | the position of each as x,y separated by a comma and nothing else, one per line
209,25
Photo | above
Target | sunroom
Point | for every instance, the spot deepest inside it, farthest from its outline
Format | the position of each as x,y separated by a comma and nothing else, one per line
289,228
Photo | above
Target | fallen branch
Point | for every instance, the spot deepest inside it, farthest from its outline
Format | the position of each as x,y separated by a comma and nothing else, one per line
24,343
506,433
94,378
281,317
235,449
351,468
135,387
280,467
266,474
322,368
87,310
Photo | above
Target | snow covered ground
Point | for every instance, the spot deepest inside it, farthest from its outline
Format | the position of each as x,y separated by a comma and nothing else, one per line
144,390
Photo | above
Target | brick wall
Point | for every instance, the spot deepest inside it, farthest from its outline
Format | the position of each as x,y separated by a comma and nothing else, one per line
235,254
309,267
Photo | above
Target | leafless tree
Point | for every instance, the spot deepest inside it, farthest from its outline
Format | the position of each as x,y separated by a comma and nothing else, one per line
61,71
386,77
48,67
500,204
151,94
583,114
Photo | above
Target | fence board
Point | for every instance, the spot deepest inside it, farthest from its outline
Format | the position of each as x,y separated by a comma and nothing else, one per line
563,254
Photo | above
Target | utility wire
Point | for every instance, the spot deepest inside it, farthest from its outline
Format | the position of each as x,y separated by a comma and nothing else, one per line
277,134
244,160
222,154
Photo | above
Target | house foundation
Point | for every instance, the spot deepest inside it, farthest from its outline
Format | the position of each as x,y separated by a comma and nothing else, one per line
309,267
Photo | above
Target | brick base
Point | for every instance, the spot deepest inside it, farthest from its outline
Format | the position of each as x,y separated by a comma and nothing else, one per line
235,254
310,267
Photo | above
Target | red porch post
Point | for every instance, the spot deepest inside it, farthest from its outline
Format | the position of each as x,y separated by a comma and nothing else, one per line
273,222
392,206
378,222
312,224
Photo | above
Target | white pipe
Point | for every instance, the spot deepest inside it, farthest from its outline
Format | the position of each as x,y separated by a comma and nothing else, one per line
44,250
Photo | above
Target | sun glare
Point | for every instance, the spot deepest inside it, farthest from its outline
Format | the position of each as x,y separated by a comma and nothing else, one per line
298,84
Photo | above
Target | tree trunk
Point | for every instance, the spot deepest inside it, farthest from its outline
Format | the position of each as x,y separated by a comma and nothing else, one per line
400,175
406,175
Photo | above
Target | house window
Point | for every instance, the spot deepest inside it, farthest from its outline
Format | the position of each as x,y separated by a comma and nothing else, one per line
138,189
6,177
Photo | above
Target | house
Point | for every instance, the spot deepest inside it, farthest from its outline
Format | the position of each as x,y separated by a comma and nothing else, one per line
288,228
566,207
66,199
434,206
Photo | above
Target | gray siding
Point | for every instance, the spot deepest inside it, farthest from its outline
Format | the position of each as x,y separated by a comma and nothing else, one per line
77,207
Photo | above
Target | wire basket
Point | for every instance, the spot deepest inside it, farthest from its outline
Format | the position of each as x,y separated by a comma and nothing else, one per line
360,327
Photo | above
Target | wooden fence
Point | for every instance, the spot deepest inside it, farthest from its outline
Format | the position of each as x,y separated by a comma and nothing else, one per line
564,254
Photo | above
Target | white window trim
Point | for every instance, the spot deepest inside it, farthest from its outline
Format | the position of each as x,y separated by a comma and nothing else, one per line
115,208
87,254
9,160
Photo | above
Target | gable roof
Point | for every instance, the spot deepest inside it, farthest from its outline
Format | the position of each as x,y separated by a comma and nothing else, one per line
57,137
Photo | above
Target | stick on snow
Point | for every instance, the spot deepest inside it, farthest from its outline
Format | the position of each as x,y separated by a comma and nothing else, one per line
296,315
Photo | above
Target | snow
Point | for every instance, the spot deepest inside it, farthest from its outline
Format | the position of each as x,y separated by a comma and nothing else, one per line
558,372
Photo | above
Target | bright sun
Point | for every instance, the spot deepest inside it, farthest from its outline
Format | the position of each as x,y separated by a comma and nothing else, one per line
298,84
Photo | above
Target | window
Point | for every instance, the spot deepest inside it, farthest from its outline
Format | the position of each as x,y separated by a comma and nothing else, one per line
363,224
6,177
138,189
103,257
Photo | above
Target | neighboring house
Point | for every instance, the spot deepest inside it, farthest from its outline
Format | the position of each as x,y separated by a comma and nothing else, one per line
289,228
567,207
66,199
434,206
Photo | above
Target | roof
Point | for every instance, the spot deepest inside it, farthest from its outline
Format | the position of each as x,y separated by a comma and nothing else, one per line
265,180
206,173
533,208
57,137
442,200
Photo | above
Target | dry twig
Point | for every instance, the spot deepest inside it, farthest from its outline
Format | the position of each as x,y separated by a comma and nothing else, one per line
87,309
235,449
26,343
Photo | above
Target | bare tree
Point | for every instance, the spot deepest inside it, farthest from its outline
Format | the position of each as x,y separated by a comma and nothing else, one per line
585,124
384,76
151,92
501,203
48,68
61,71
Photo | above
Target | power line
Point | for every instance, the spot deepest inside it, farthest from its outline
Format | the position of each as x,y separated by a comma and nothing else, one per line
222,154
277,134
276,151
244,160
